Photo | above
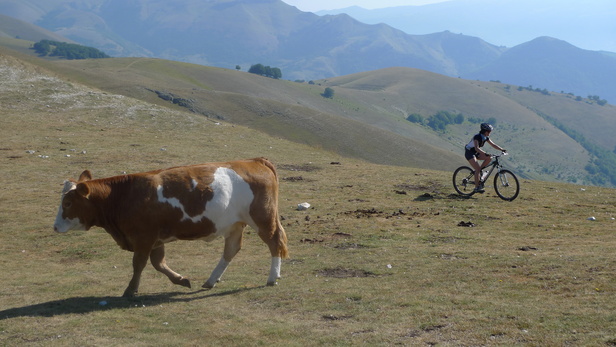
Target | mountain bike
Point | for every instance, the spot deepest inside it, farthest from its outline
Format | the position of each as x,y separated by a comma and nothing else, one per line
506,183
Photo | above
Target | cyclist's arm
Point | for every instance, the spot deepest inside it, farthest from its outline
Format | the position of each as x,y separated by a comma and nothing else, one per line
477,148
496,146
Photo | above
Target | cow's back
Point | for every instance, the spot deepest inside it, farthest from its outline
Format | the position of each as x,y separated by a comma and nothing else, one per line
208,199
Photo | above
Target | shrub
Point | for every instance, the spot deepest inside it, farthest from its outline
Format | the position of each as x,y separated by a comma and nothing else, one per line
415,118
267,71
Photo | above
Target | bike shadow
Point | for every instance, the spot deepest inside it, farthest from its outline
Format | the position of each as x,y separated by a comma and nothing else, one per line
433,196
88,304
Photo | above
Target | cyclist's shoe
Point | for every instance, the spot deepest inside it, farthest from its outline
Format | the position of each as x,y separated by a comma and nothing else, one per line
479,190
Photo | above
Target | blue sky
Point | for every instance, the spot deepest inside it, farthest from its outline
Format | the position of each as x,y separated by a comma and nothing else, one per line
318,5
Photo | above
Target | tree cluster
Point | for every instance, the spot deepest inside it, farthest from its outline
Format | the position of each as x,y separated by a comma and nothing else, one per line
537,90
440,120
67,50
597,99
328,93
267,71
593,98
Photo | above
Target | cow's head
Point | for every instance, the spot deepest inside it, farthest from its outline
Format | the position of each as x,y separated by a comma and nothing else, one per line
75,211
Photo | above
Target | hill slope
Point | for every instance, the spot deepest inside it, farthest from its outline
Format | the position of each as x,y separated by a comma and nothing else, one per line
14,28
370,102
367,116
281,108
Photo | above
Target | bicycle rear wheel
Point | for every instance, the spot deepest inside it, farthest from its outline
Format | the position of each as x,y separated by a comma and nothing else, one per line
464,180
506,185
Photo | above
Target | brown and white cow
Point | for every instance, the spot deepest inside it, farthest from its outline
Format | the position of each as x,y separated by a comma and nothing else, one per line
144,211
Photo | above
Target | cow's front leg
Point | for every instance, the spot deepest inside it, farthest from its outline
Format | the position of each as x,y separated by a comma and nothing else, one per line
140,259
233,244
157,258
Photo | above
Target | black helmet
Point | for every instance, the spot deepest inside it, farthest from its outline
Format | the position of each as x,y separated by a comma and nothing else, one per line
486,127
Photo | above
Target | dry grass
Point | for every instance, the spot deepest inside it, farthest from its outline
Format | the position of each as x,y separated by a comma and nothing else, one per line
379,259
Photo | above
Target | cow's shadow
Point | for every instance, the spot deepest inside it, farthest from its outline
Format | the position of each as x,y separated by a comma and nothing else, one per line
87,304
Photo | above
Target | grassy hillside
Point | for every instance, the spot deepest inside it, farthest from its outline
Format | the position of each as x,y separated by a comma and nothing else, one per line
281,108
596,122
367,117
17,29
382,99
379,259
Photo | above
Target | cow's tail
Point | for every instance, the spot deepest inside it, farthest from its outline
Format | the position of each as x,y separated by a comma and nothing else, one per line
280,236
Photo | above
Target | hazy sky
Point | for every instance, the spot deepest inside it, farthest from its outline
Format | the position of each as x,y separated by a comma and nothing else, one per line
318,5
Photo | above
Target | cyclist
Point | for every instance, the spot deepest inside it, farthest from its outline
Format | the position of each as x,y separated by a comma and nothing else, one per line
474,152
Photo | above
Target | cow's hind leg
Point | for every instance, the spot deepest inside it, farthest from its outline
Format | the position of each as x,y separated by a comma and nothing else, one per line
273,234
157,257
233,244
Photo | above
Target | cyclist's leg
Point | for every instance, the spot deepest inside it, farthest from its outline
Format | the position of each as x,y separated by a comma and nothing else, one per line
486,159
475,165
471,156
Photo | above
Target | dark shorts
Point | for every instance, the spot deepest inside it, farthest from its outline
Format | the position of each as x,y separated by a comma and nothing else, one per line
470,153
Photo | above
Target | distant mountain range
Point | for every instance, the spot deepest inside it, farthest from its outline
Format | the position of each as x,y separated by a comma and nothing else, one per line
589,24
305,46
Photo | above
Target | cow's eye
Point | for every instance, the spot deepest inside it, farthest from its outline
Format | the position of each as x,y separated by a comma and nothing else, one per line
67,204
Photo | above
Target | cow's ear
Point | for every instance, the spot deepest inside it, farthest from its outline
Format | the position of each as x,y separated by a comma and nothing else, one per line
85,176
83,190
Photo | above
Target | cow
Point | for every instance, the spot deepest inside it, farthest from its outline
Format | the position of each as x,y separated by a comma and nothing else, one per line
143,211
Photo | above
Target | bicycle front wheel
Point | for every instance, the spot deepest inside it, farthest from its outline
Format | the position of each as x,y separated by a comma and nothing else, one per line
464,180
506,185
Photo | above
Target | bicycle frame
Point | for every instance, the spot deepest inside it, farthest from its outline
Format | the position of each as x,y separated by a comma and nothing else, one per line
495,164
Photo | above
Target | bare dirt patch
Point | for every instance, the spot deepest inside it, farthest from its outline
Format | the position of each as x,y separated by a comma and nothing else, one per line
349,245
340,272
299,167
373,212
293,178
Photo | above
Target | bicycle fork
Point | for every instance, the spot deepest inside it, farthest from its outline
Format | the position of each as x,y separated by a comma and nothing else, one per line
504,180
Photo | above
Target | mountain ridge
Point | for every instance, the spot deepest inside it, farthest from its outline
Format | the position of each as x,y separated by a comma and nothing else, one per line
229,33
554,58
503,23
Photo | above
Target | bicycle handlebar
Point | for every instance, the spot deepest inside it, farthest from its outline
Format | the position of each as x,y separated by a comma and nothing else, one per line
503,153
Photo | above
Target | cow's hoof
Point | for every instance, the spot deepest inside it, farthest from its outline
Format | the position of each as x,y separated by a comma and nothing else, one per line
184,282
272,284
129,293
